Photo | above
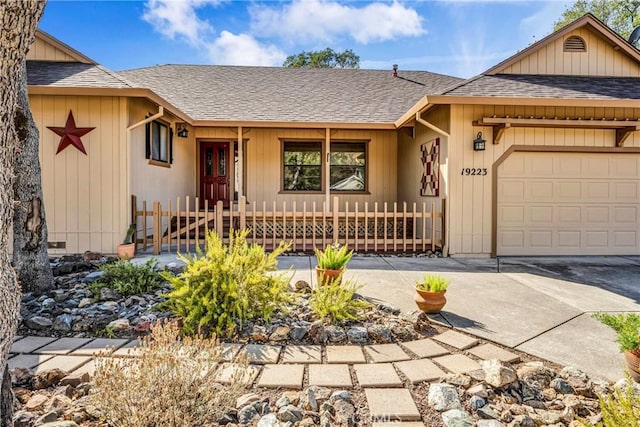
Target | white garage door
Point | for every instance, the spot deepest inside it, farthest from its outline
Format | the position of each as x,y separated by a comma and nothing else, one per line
569,204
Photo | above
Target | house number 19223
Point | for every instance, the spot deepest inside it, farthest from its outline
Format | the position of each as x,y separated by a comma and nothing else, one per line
474,171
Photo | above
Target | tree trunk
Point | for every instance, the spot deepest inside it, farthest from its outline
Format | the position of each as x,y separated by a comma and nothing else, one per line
18,22
6,400
30,257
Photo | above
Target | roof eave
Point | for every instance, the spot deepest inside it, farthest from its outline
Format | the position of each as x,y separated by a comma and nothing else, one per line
294,124
547,102
106,91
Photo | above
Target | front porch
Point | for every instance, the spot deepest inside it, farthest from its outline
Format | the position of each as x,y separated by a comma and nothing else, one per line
389,227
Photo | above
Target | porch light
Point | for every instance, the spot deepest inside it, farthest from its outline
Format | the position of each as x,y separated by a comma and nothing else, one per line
181,130
478,143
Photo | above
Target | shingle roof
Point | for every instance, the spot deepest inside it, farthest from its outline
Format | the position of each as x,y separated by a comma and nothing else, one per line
208,92
73,74
548,86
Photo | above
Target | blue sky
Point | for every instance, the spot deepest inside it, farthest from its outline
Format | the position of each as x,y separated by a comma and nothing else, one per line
461,38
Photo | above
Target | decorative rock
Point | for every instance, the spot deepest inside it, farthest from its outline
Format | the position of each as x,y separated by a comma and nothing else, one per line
108,294
297,333
119,324
443,397
247,414
522,421
282,402
247,399
269,420
389,308
259,334
477,402
380,333
457,418
302,286
344,413
38,323
308,400
36,402
84,302
358,335
457,379
280,334
487,413
489,423
290,414
317,333
48,304
47,418
479,390
340,395
24,419
294,396
44,379
65,423
536,375
497,373
93,276
63,322
335,334
561,386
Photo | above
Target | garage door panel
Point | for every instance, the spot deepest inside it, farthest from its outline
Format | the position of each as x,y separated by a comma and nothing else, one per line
569,204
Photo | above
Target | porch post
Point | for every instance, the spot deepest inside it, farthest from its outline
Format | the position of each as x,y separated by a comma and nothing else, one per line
327,167
240,171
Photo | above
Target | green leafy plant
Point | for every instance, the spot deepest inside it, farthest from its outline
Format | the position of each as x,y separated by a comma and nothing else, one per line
173,381
335,301
334,257
433,283
225,286
622,407
627,326
128,278
129,234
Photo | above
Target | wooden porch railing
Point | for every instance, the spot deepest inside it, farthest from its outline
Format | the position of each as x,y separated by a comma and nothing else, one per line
366,227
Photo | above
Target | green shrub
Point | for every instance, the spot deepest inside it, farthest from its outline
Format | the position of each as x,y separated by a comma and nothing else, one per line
626,325
225,286
335,302
622,407
128,278
173,382
334,257
433,283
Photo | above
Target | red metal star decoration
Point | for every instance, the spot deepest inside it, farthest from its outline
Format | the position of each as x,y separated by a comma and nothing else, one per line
70,134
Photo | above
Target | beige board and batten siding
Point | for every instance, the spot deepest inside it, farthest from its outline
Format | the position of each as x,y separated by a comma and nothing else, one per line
263,170
471,196
599,59
568,204
152,182
40,50
85,195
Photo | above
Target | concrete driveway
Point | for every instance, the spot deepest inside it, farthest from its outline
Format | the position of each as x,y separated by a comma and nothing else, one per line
541,306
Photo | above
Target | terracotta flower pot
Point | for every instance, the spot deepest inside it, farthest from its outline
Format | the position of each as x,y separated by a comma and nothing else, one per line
430,302
633,365
326,276
126,251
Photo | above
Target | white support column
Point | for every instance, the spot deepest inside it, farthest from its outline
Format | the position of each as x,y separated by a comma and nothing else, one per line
240,172
327,167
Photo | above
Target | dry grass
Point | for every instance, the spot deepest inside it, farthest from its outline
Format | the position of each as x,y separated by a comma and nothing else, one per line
171,383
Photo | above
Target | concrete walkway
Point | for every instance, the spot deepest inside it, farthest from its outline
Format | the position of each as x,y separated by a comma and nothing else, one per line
541,306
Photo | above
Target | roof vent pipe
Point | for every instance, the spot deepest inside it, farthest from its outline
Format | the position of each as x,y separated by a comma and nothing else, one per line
395,70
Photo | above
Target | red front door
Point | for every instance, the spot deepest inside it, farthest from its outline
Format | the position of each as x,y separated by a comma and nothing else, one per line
214,173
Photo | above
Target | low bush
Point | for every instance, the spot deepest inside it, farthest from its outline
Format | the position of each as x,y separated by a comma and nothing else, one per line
335,301
225,286
128,278
433,283
173,382
627,328
622,407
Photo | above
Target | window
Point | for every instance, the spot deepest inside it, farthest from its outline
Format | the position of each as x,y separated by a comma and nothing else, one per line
159,142
348,166
302,166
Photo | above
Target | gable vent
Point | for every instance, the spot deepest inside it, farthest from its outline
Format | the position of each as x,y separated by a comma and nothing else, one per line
575,44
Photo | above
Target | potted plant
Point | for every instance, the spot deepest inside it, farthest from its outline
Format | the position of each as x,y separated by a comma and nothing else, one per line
627,326
127,249
430,293
332,262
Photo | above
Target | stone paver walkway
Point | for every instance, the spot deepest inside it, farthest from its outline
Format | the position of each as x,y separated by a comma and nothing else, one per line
384,371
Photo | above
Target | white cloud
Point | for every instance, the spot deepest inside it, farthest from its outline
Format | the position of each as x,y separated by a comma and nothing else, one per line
178,18
243,49
323,20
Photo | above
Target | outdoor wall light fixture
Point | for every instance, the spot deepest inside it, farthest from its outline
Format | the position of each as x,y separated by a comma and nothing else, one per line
478,143
181,130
